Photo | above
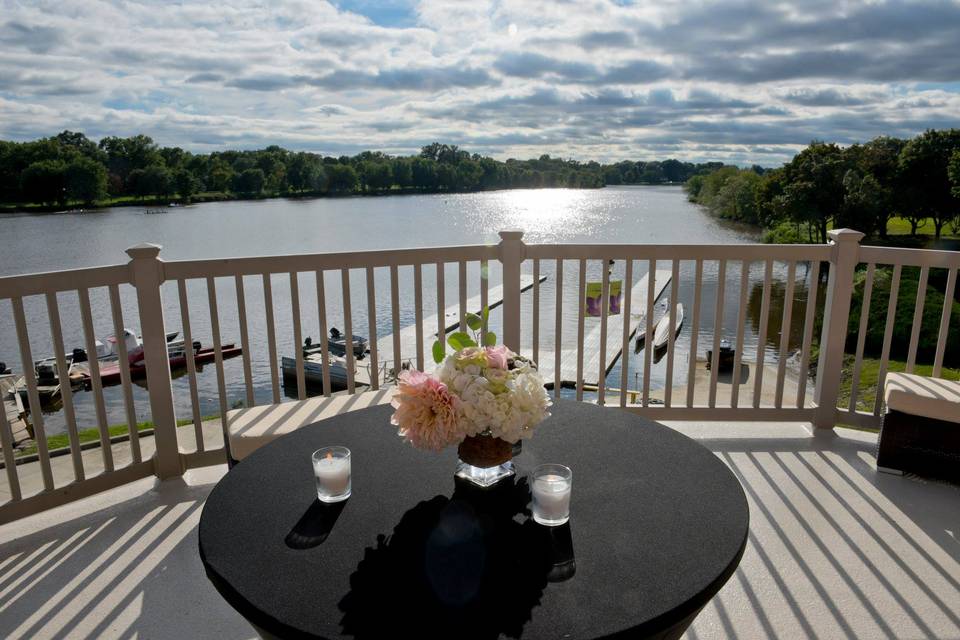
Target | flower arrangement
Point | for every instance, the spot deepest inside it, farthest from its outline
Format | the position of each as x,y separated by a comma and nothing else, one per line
479,390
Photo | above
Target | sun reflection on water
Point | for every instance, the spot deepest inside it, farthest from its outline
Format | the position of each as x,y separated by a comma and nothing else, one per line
546,214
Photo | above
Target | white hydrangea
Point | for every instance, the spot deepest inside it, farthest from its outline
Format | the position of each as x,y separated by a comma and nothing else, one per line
506,403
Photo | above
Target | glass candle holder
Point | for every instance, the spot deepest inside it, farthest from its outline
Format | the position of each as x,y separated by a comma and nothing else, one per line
551,494
331,468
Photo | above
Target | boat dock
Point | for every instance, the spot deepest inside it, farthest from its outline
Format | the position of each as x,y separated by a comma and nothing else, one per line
592,334
13,407
408,334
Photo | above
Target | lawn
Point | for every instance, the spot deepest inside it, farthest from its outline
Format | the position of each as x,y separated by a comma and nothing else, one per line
901,227
869,374
62,440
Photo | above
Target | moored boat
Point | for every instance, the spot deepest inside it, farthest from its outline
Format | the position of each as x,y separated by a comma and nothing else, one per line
110,371
337,345
313,371
661,335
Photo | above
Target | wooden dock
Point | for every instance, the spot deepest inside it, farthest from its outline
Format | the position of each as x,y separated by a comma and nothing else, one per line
13,407
592,334
408,334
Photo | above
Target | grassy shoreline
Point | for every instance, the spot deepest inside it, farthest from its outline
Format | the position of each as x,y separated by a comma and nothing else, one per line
224,196
62,440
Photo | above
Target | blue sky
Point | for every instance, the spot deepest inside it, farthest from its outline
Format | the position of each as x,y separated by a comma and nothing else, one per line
744,82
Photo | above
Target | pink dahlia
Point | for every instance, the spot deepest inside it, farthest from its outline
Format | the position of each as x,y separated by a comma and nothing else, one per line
427,414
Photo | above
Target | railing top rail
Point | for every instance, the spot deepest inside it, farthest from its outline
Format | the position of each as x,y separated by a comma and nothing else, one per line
681,251
30,284
216,267
936,258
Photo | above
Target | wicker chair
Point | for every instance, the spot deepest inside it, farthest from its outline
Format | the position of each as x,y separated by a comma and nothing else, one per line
921,429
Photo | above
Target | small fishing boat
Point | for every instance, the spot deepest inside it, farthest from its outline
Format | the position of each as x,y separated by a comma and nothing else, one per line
336,345
108,350
313,371
661,335
110,370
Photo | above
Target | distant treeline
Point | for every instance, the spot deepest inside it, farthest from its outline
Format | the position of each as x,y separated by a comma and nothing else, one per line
660,172
861,187
69,168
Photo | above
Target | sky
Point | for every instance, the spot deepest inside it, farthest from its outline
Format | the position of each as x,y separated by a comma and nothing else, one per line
741,82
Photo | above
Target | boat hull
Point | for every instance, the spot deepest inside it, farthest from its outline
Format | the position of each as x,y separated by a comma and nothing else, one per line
313,374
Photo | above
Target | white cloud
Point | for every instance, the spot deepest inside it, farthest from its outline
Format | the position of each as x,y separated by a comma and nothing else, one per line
739,81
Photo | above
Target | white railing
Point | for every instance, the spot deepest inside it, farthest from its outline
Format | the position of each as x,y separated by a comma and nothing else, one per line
368,290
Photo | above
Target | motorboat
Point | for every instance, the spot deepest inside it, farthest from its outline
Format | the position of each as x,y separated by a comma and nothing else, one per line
337,345
110,371
107,351
313,371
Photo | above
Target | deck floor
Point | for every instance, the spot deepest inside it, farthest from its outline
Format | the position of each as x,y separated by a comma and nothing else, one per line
836,550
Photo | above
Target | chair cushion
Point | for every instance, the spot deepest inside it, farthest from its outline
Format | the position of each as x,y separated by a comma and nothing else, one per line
921,396
249,429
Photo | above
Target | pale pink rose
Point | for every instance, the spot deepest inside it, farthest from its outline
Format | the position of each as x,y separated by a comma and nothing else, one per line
497,356
427,414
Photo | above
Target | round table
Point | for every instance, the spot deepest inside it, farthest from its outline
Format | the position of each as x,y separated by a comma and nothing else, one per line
657,526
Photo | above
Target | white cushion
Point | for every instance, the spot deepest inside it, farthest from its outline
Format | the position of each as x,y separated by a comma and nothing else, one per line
921,396
250,429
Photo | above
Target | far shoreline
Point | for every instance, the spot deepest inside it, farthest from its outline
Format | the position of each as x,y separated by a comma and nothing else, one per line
205,198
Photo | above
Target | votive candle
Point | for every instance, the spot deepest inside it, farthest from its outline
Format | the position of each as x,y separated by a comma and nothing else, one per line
331,468
551,494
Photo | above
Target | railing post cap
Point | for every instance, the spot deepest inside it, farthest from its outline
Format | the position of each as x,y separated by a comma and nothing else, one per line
508,235
845,235
144,250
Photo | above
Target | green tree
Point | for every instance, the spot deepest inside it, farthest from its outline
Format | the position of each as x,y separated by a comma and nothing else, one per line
468,175
124,155
880,159
186,184
375,175
75,143
341,178
737,199
402,171
864,203
306,173
424,172
85,180
925,183
45,182
250,181
446,175
814,192
954,172
221,176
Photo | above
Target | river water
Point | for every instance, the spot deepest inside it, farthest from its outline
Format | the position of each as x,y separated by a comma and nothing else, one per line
35,243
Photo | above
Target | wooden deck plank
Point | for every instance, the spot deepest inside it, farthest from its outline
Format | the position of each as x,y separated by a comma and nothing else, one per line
591,340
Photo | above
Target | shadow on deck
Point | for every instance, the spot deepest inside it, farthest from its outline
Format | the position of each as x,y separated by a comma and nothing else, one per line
836,550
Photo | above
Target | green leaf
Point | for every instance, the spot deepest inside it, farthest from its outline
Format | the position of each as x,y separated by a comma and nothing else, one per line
439,351
460,340
490,339
473,321
485,315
